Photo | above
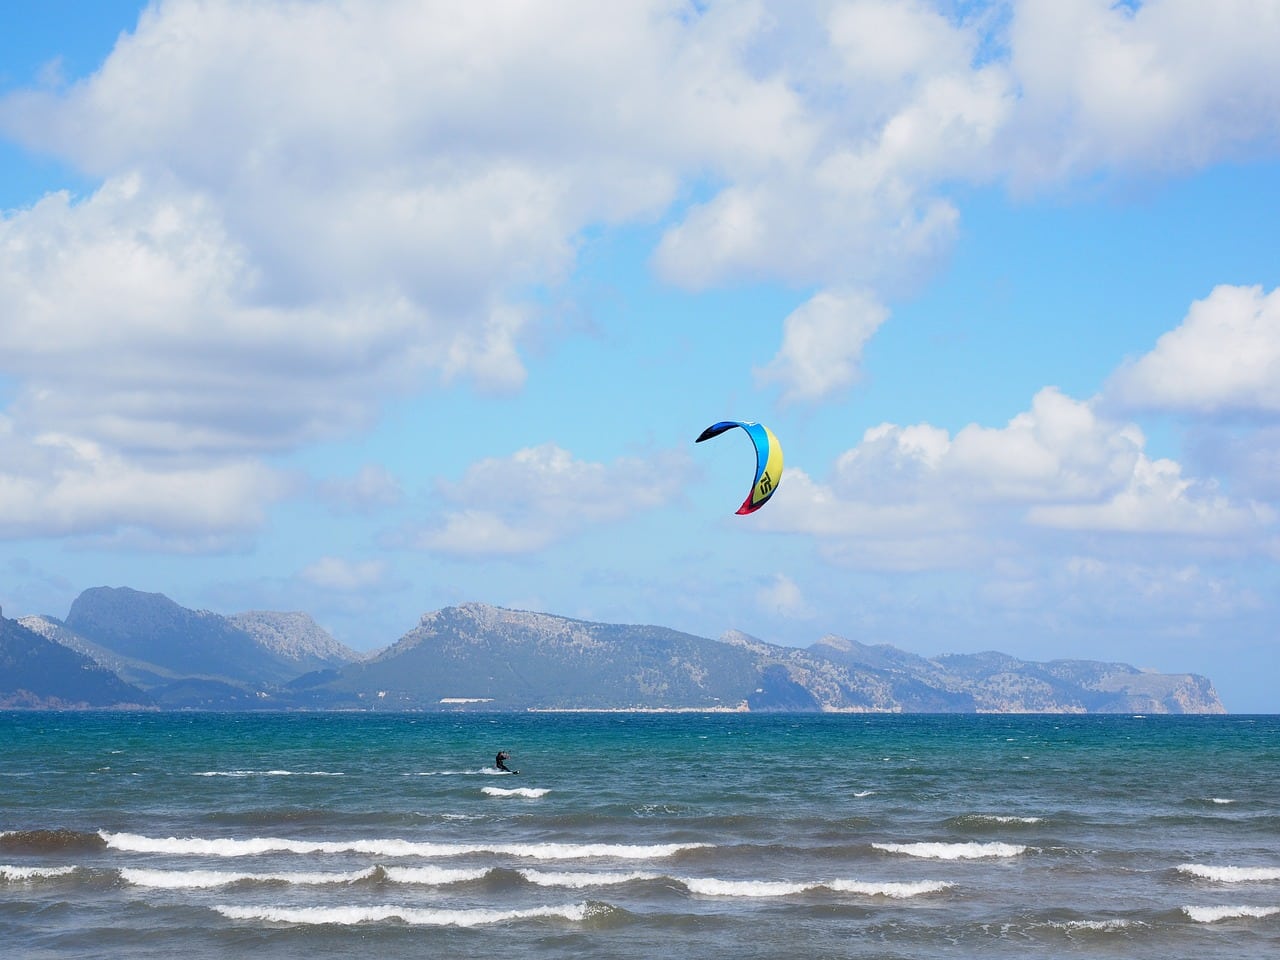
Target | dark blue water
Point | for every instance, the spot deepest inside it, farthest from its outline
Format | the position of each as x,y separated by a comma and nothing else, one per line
638,835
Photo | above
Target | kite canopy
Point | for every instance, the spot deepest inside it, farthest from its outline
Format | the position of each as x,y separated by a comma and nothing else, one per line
768,460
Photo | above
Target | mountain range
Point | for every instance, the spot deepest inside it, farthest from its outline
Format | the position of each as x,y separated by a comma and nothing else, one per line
124,649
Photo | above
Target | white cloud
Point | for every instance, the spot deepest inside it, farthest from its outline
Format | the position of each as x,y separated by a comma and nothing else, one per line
1223,358
306,208
1165,85
782,596
346,576
1157,499
541,495
130,326
885,43
60,485
917,498
822,343
1058,450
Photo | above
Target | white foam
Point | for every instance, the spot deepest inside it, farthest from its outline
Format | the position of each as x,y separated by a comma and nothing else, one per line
711,887
582,851
953,851
32,873
1230,874
579,880
864,793
531,793
432,876
204,879
1214,914
1221,801
387,847
1113,925
346,916
898,891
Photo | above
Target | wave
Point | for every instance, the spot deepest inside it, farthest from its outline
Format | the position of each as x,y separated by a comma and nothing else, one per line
472,772
578,880
714,887
1111,925
953,851
531,793
13,874
1230,874
388,847
205,879
783,888
433,876
1215,914
441,876
416,916
711,887
50,841
894,890
979,820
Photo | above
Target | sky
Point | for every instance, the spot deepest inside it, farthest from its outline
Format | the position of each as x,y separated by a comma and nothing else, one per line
370,308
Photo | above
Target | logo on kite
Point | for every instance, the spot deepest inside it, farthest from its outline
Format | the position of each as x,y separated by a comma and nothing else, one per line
768,460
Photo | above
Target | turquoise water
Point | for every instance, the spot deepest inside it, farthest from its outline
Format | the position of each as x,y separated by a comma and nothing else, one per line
638,835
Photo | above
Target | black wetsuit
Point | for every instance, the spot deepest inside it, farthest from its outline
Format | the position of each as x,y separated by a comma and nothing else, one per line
501,761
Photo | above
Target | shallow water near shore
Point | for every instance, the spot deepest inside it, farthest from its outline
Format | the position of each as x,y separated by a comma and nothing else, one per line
638,835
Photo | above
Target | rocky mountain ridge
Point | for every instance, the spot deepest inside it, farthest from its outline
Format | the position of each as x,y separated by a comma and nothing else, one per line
477,656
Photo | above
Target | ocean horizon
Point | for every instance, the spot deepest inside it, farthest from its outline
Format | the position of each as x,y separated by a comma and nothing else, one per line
637,834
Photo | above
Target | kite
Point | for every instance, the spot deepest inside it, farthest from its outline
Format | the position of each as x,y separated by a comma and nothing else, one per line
768,460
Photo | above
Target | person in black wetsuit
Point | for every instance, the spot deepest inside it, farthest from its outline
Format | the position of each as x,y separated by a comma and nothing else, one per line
501,762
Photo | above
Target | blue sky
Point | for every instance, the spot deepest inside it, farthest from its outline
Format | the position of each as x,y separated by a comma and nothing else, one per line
368,309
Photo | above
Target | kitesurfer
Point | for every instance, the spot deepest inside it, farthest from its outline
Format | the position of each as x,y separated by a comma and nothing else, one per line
501,762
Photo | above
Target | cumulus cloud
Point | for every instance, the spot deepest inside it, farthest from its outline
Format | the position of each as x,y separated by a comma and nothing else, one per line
782,596
305,208
541,495
1156,86
60,485
1224,358
1158,499
822,343
916,497
345,576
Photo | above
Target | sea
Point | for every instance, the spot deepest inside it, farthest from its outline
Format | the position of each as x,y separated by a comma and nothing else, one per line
638,835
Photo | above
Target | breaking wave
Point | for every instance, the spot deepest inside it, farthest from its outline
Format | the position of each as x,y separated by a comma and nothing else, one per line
1230,874
1216,914
387,847
780,888
953,851
11,874
531,793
